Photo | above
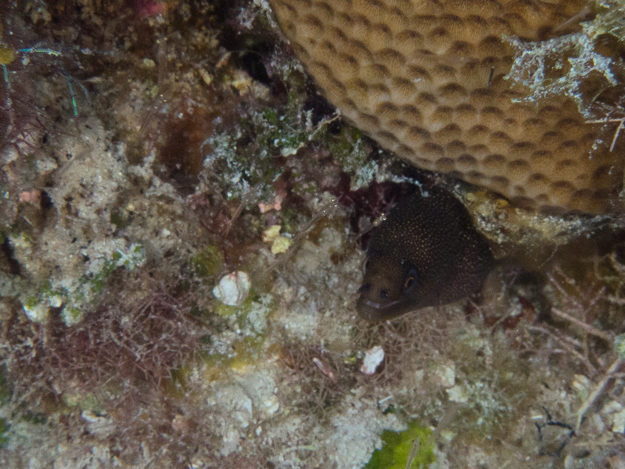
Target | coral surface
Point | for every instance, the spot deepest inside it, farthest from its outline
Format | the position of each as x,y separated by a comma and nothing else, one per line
505,94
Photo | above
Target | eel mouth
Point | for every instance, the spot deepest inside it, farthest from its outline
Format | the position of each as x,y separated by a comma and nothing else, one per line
378,306
372,311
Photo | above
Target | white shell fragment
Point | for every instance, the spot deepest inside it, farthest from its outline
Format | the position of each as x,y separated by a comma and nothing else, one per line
446,374
37,313
458,394
619,422
233,288
373,357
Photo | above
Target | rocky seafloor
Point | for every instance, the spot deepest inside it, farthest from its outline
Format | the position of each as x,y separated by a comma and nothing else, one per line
182,228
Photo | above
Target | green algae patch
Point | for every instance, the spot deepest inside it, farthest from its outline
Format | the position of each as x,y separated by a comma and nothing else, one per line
176,384
245,352
208,262
7,55
4,433
119,220
242,310
619,346
398,447
249,320
491,387
352,152
87,401
5,391
252,314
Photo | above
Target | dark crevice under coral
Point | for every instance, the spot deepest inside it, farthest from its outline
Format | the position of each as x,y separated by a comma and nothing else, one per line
13,264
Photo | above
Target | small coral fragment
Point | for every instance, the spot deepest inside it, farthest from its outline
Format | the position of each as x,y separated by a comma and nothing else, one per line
275,204
32,197
281,245
271,233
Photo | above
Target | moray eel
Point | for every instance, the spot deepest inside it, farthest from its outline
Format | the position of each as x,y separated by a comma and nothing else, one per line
427,79
426,253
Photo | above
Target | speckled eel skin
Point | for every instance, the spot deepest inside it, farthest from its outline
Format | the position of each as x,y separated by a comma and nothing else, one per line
418,258
425,79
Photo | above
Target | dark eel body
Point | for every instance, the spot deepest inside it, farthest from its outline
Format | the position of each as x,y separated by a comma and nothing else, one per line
426,253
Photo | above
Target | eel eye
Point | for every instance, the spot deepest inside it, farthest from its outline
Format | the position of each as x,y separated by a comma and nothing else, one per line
383,294
410,281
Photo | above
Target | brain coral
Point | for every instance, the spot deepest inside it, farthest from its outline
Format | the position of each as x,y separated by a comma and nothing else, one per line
426,79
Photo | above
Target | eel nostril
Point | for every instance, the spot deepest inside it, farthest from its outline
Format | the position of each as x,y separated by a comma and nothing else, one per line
366,288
